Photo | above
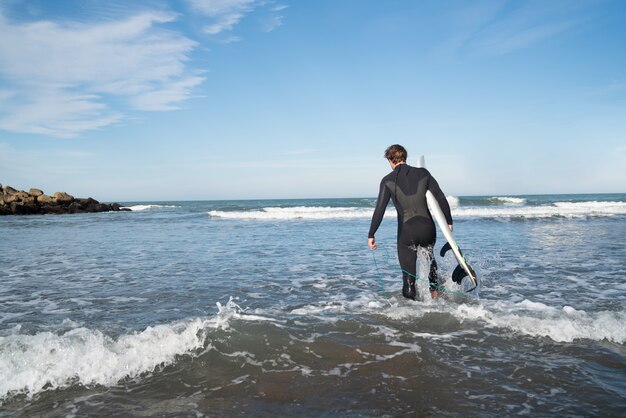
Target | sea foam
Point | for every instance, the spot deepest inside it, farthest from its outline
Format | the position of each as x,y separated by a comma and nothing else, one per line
515,209
535,319
556,210
32,363
564,324
509,200
299,212
139,208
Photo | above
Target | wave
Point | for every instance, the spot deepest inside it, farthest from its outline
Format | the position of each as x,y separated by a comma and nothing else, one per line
30,364
508,200
535,319
139,208
558,209
562,325
298,212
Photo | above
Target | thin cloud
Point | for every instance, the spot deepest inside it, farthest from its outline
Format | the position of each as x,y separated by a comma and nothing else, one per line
61,75
495,27
275,19
272,23
522,28
56,112
225,14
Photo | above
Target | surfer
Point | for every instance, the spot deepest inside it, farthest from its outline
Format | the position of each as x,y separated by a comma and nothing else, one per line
407,187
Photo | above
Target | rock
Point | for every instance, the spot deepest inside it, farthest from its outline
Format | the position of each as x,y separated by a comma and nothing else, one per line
21,195
88,205
74,207
62,197
18,209
18,202
29,200
54,209
44,199
87,202
9,198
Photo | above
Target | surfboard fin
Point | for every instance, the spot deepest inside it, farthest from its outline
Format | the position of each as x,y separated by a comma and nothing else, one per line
445,249
458,274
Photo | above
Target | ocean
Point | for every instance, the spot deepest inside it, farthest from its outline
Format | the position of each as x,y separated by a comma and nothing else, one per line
279,308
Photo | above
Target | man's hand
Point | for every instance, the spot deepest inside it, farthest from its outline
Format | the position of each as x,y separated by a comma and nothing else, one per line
372,243
450,226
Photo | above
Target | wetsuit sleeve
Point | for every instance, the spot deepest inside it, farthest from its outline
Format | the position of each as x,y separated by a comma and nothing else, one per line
434,188
381,204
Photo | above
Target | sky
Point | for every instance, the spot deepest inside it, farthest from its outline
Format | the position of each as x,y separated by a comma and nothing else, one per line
157,100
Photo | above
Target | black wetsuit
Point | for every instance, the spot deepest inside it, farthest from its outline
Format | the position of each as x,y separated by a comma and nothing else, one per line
407,187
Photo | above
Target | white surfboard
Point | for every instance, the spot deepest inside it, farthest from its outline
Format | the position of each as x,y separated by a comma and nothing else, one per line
464,268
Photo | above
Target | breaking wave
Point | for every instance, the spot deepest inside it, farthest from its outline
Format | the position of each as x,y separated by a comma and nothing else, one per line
515,210
139,208
30,364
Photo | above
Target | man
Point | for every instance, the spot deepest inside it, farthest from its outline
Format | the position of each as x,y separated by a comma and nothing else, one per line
407,187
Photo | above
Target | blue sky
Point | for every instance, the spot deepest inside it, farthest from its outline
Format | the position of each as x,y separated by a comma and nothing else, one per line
245,99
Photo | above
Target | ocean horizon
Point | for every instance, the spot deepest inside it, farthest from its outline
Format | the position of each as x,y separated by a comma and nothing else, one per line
270,307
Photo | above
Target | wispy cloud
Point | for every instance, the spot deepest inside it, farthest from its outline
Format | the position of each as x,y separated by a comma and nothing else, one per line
494,27
64,77
224,15
61,74
55,112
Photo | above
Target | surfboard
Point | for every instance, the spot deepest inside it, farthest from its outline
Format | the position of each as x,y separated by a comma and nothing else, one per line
464,268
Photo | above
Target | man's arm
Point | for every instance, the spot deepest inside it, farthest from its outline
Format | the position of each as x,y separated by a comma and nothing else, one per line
381,205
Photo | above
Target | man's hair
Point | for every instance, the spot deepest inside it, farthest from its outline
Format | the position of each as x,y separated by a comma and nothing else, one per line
396,153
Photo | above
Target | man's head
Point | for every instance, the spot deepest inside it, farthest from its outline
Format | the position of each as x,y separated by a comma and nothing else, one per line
396,154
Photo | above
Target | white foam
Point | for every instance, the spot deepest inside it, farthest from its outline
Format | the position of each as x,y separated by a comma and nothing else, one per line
510,200
125,299
558,209
538,320
513,208
299,212
562,324
233,311
139,208
32,363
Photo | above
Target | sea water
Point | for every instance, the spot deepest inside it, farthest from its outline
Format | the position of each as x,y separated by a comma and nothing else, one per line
279,308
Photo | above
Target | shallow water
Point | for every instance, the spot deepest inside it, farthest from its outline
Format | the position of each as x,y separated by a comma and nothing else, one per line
277,307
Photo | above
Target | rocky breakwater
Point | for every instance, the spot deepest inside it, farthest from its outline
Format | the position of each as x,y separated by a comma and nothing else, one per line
35,201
